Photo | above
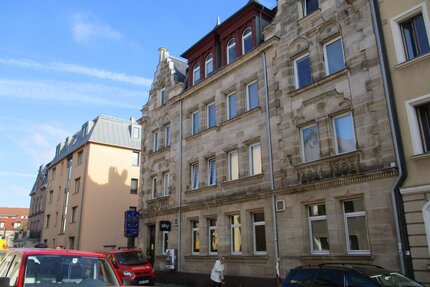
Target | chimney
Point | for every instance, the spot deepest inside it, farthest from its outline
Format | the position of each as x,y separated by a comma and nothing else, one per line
164,54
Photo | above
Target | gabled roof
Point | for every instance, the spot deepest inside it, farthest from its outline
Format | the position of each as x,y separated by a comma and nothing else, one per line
14,211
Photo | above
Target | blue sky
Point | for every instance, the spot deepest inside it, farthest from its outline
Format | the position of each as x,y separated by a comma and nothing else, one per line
64,62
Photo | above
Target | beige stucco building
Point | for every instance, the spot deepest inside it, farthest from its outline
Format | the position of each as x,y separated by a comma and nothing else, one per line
272,152
93,180
406,30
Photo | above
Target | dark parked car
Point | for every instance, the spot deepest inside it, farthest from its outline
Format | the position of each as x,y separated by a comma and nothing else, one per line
346,275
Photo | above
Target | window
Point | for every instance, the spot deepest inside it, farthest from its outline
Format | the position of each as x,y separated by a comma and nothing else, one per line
165,242
54,170
77,184
74,214
162,96
48,217
235,235
72,242
310,143
211,172
355,226
135,158
155,144
195,237
302,71
418,111
318,230
209,64
133,186
211,115
344,134
411,33
80,154
246,40
154,187
166,183
136,133
167,136
231,51
213,236
259,228
333,55
310,6
195,176
233,165
196,74
254,159
51,195
231,106
195,123
1,224
423,114
252,96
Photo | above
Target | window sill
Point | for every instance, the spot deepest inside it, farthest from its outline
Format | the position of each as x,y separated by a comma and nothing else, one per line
309,17
320,82
421,156
411,62
160,198
242,115
161,150
239,180
200,189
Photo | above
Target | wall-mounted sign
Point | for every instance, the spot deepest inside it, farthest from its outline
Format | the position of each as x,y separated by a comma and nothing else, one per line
165,225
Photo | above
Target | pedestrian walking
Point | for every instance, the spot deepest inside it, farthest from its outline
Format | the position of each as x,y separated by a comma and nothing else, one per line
217,274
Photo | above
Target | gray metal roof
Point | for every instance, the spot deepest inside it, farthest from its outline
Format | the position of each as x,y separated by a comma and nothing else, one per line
103,130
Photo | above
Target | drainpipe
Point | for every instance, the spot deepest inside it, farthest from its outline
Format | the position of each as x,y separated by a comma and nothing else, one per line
272,179
178,256
397,200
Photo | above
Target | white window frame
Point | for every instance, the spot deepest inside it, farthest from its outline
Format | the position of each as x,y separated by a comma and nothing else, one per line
137,185
254,237
396,28
254,161
135,157
231,45
154,187
232,227
335,132
209,61
212,228
296,70
347,234
414,127
248,95
326,59
195,175
196,74
302,143
305,10
136,133
229,167
229,107
155,143
247,33
164,236
210,162
195,129
310,220
167,136
166,183
194,231
212,104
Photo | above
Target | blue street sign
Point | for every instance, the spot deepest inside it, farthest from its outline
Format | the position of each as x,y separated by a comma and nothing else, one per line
131,223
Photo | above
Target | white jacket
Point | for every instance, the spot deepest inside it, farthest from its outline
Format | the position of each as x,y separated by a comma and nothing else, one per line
217,272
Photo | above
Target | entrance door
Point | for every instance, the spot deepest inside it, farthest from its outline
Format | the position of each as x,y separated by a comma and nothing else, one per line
151,250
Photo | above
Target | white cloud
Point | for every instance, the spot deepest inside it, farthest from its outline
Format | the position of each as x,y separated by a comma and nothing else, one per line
16,174
77,69
87,27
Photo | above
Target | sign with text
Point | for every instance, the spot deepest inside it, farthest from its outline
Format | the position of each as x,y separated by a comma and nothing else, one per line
165,225
131,223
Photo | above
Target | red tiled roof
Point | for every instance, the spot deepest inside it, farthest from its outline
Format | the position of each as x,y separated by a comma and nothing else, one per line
14,211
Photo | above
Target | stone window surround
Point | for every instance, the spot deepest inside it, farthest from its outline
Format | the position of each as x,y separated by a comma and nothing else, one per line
414,128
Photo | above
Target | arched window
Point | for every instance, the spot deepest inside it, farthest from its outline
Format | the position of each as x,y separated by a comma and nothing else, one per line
196,74
246,40
209,65
231,51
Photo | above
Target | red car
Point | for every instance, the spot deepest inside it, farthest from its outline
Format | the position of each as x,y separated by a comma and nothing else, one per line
132,265
32,267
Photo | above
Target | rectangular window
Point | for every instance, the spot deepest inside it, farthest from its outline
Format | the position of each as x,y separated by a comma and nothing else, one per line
259,228
136,133
155,143
166,183
162,96
310,6
135,158
318,230
54,170
423,114
195,237
195,123
77,184
255,159
414,36
167,135
80,155
71,242
233,165
165,242
231,106
211,171
48,217
310,143
333,55
357,239
235,235
252,95
154,187
344,133
302,71
51,196
195,176
213,236
74,214
211,115
133,186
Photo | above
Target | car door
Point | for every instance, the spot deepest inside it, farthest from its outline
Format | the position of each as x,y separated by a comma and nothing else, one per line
300,277
329,278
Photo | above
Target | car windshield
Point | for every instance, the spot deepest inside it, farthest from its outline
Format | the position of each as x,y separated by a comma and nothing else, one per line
50,270
394,279
131,258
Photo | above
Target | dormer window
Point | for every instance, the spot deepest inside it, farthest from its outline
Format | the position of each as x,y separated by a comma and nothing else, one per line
136,133
209,65
196,74
246,40
231,51
163,96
